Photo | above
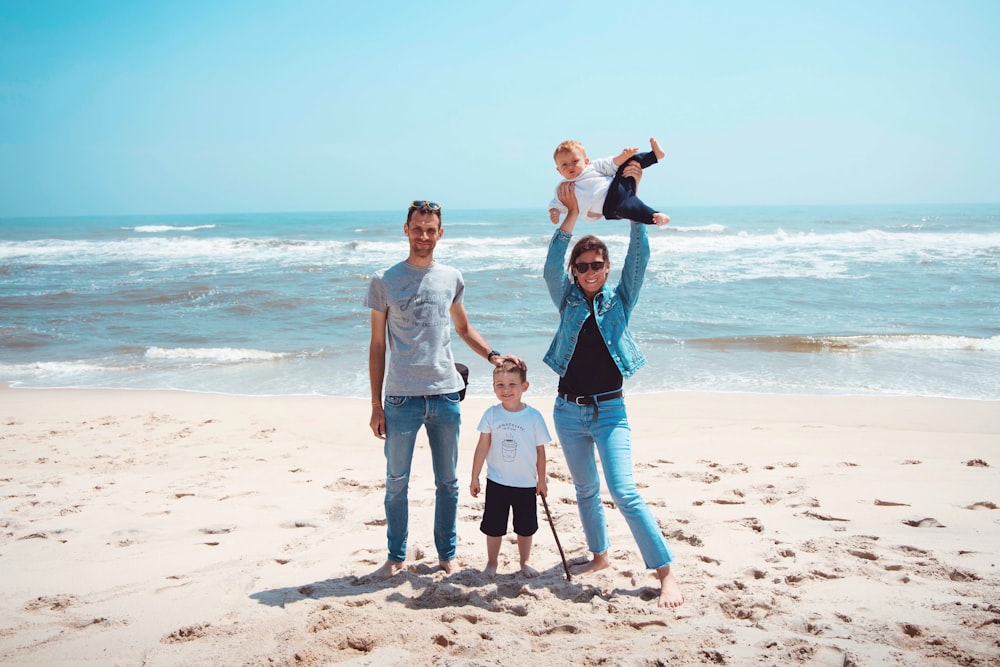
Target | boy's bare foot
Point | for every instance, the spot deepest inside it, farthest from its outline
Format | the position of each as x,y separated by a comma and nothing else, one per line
670,590
449,566
388,569
529,571
657,151
598,562
490,570
660,219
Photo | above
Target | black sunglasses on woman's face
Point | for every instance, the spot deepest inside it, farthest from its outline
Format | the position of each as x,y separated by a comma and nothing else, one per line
581,267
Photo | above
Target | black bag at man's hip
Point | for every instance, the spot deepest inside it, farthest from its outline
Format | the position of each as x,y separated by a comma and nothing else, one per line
463,370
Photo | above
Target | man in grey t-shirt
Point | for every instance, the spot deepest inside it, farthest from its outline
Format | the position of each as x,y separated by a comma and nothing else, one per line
413,307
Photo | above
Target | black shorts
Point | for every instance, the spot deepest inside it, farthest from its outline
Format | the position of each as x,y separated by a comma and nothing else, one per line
500,500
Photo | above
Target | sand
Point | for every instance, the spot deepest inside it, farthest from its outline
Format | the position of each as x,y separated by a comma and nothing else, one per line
169,528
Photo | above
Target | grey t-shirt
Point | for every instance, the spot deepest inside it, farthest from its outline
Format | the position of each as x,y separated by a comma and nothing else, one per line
418,302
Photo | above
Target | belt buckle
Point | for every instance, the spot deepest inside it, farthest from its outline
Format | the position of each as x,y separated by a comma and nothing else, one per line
577,400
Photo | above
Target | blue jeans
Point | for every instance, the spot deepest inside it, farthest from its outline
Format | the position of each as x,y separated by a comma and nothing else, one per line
441,417
578,433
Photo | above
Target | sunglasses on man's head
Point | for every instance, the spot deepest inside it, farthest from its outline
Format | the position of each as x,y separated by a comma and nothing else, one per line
581,267
429,205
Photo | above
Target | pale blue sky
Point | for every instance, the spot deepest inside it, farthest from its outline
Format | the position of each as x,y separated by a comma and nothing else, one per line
249,106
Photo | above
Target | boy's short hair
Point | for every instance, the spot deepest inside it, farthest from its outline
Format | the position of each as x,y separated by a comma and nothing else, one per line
508,366
567,146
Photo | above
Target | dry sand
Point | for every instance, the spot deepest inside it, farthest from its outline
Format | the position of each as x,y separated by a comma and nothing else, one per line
169,528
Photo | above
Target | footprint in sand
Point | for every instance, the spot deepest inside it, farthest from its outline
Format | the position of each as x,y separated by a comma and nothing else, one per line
822,517
753,523
928,522
51,603
187,634
982,505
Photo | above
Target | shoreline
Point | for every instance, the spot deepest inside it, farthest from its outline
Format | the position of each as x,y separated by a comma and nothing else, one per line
168,527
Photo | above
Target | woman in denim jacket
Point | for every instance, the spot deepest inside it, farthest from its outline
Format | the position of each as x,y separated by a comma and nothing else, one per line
592,352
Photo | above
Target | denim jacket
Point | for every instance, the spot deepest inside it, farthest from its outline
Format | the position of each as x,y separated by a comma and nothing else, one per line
612,308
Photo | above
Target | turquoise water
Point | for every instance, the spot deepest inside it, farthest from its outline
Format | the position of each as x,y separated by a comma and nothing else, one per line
819,300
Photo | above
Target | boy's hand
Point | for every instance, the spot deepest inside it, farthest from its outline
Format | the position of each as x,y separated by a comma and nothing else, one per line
474,488
554,215
626,153
542,488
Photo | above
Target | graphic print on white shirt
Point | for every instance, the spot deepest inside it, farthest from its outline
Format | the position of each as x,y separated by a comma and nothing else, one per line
514,437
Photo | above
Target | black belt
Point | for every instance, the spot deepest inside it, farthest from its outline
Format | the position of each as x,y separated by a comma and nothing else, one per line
591,400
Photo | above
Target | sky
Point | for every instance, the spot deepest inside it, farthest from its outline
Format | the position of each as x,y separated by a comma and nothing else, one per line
227,106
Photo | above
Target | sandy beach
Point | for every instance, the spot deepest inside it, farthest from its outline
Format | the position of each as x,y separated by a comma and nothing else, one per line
166,528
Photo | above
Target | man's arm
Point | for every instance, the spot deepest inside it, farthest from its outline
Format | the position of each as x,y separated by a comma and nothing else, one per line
474,339
376,371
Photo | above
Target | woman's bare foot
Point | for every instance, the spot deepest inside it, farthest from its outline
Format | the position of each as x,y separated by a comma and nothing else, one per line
449,566
660,219
657,151
528,571
598,562
670,590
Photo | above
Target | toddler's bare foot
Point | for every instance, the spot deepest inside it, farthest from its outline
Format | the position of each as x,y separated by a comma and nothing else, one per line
670,590
528,571
598,562
657,151
660,219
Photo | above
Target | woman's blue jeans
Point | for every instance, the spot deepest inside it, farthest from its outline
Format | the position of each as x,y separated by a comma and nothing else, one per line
441,417
579,433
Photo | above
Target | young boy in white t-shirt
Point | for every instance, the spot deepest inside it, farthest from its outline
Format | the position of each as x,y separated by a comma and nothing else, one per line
512,439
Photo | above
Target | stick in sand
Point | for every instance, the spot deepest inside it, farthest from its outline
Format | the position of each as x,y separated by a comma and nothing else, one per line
545,504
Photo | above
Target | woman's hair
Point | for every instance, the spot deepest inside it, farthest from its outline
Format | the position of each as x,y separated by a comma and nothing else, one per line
588,242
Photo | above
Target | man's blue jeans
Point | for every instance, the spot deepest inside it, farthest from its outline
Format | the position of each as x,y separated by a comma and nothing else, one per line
578,433
441,417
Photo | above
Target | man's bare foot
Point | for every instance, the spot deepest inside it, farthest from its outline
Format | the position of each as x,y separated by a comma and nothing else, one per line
670,590
660,219
388,569
657,151
449,566
490,570
598,562
529,571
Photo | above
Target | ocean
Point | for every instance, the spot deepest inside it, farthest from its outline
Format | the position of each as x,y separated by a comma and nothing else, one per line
824,300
